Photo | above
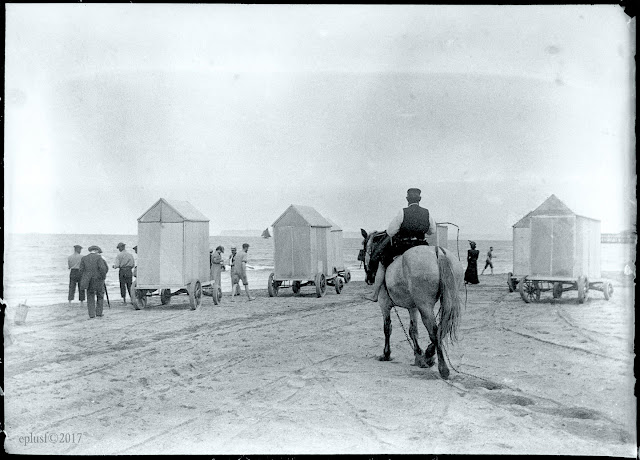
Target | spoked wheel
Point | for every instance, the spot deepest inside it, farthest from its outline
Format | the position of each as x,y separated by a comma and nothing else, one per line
529,290
134,296
338,284
557,290
512,286
195,294
141,298
273,285
321,284
165,296
295,287
347,276
582,289
607,290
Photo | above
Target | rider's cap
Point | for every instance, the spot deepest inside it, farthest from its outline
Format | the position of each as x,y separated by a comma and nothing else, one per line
94,248
413,193
77,246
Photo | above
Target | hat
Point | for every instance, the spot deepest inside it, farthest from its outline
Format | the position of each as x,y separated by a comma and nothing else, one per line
413,193
77,246
94,248
233,247
120,245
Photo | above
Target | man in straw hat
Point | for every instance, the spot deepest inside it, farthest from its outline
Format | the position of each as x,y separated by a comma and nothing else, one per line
125,262
408,229
73,261
94,271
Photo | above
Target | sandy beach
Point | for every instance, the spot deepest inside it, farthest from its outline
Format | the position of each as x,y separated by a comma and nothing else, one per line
300,375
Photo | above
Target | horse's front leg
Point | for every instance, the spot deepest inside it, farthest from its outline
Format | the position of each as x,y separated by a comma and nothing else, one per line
385,306
413,333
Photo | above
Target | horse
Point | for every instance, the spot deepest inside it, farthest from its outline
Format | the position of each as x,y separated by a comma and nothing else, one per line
416,280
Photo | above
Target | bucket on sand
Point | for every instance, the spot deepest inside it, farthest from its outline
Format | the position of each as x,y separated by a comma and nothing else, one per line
21,313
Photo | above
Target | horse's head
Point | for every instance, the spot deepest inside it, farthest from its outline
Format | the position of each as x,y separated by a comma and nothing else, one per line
370,266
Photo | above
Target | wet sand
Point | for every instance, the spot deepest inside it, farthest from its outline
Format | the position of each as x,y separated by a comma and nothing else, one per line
300,375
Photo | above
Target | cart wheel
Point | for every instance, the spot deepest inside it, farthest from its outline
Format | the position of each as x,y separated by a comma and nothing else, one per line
529,290
347,276
582,289
557,290
295,287
512,287
272,287
215,294
134,296
141,297
608,290
321,284
338,284
195,294
165,296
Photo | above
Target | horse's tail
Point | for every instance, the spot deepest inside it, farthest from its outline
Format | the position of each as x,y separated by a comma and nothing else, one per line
449,300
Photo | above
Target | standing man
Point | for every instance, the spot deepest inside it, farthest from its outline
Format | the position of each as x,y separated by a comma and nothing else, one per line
74,274
235,281
488,262
240,267
94,271
125,262
217,265
408,229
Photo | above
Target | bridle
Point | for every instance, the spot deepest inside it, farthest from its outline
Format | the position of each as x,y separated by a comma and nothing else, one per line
368,251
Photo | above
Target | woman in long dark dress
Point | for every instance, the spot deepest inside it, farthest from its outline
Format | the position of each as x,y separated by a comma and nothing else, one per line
471,274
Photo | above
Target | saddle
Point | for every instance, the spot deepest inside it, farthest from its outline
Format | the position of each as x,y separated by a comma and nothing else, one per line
385,250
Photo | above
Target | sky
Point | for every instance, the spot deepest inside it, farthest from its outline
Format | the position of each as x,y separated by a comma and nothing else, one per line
243,110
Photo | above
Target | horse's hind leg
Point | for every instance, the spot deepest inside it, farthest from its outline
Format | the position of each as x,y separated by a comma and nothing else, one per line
413,333
429,320
385,306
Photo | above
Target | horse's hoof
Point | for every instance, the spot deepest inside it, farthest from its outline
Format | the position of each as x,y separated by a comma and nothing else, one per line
430,361
384,358
419,361
444,373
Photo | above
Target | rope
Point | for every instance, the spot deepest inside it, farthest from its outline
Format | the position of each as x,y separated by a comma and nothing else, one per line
403,329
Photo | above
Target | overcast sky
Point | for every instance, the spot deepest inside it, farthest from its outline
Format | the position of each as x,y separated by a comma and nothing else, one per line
243,110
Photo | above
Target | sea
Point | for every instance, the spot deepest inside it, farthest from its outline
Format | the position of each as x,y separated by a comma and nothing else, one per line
35,265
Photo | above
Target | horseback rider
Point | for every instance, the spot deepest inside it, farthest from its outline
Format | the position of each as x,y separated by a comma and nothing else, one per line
408,229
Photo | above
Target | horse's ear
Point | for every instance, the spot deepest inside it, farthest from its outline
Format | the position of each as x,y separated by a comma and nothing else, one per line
364,234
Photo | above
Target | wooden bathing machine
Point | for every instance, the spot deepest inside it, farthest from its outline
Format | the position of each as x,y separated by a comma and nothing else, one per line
173,250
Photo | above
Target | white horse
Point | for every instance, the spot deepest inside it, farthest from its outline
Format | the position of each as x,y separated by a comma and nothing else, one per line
416,280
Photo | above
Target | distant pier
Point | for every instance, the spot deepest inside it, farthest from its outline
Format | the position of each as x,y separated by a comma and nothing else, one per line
627,237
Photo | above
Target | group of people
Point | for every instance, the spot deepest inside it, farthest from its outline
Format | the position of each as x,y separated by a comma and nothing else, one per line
471,274
88,273
238,269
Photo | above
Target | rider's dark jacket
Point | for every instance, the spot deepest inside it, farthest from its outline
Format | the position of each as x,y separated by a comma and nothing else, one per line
415,223
411,232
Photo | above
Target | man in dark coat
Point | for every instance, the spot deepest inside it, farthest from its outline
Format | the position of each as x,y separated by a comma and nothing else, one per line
408,229
93,269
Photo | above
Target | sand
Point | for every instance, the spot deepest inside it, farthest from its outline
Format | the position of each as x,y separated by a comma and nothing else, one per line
300,375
